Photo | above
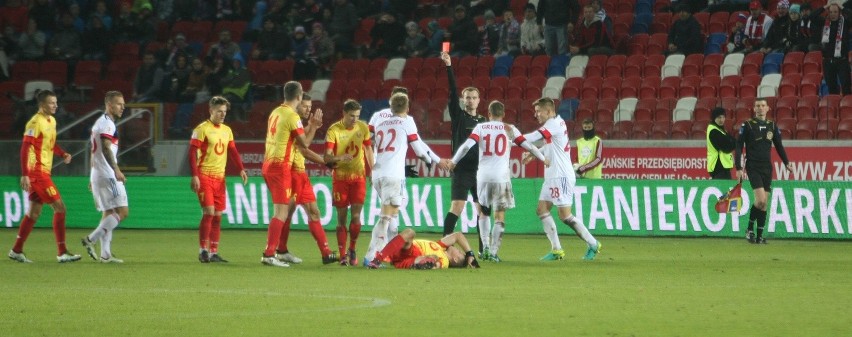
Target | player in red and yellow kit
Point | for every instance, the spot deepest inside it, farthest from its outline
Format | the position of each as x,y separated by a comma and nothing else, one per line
349,187
212,142
404,252
37,152
303,192
284,133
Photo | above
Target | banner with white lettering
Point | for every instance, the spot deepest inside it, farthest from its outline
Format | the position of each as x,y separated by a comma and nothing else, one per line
607,207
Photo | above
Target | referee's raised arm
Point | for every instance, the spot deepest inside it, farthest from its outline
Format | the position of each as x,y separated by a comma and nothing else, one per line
455,105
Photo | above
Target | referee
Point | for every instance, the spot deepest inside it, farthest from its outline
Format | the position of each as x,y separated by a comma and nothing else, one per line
463,120
757,135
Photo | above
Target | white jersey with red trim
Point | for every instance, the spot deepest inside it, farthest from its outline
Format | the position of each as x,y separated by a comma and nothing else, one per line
392,137
495,143
104,128
557,147
378,117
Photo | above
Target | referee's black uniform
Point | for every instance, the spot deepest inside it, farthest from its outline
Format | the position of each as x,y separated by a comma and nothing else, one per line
758,136
464,175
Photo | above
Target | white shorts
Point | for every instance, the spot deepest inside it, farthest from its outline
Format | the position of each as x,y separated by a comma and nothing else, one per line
391,190
558,191
495,195
109,194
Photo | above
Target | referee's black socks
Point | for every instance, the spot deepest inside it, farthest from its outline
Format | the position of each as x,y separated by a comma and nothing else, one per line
450,223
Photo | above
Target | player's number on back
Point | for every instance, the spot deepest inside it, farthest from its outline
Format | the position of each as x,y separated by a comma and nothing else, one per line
385,146
497,147
273,127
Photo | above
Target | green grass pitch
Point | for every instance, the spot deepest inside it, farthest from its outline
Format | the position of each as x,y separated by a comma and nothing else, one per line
636,287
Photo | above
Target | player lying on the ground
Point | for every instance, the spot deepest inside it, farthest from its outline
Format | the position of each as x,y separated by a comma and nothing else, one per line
406,253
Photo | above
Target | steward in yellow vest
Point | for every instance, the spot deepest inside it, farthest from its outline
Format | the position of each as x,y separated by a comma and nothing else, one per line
589,161
720,146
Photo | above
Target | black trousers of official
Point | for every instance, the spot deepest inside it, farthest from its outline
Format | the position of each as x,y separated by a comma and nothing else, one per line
836,69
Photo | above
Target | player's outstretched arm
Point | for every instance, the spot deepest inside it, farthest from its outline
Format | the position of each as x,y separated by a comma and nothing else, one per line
463,149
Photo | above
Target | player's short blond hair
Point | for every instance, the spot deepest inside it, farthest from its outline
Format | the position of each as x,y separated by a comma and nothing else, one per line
469,89
399,103
292,90
219,100
351,105
112,94
496,108
545,103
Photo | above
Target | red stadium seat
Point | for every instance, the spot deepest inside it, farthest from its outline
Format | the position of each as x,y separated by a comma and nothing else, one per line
751,64
653,65
669,87
844,109
806,107
748,85
806,129
812,63
689,86
793,62
810,84
730,85
633,66
642,129
703,108
711,65
539,66
692,65
25,71
645,109
789,85
660,130
663,111
614,66
718,23
606,109
657,44
54,71
709,86
638,44
650,86
681,129
596,66
630,87
621,130
610,87
826,129
786,107
828,107
661,23
591,86
844,129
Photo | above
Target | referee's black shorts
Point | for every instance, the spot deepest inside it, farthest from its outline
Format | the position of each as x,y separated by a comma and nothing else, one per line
464,182
759,175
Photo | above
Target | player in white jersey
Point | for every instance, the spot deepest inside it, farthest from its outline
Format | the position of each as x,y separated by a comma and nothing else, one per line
106,179
392,139
493,178
559,180
377,118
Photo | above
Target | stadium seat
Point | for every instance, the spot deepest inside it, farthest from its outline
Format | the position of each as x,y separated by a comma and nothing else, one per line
644,110
744,108
621,24
689,86
692,65
789,85
681,129
703,108
771,64
553,87
641,22
657,43
626,108
55,72
663,110
12,88
125,51
622,130
793,62
787,126
699,130
672,66
718,22
806,107
812,63
538,66
630,87
806,129
502,66
591,87
709,86
752,64
520,65
660,130
641,129
828,107
769,85
748,86
844,109
785,107
577,66
606,110
615,65
703,19
638,44
826,129
557,65
669,87
653,65
844,129
533,88
732,65
586,109
411,69
610,87
595,66
810,84
572,87
662,22
730,85
711,65
650,86
25,71
633,66
683,109
568,108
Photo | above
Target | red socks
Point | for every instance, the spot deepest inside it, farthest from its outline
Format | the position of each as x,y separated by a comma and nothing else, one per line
319,236
354,230
204,231
273,236
393,247
59,232
23,232
341,239
285,236
215,232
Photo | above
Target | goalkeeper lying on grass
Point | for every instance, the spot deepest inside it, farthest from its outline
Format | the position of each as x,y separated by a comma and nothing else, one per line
406,253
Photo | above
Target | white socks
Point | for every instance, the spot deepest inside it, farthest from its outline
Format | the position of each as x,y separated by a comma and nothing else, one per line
103,233
378,241
393,228
497,236
106,245
485,230
550,229
581,230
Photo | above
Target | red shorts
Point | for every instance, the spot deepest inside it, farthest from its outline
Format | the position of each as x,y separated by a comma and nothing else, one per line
43,190
349,192
303,190
280,186
212,192
404,259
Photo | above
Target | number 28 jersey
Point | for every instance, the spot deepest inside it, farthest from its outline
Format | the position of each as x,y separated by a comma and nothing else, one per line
391,141
556,148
